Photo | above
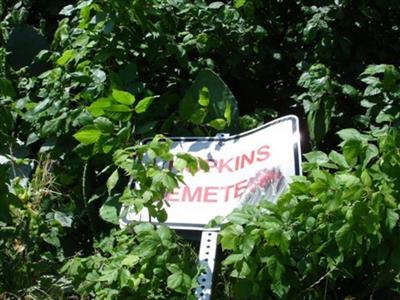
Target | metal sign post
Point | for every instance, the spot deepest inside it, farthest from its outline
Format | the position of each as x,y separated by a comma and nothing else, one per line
207,256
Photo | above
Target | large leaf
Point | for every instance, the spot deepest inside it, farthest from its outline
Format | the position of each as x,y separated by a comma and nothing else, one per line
88,135
143,105
109,211
6,88
179,282
123,97
62,218
210,90
112,181
344,237
66,57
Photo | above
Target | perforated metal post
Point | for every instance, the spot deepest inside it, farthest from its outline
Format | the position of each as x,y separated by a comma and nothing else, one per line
208,247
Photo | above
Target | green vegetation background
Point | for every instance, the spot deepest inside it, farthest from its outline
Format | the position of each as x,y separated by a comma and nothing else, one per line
82,82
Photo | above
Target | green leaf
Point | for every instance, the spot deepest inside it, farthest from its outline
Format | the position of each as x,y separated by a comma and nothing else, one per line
351,134
130,260
147,248
144,104
371,152
350,90
173,268
169,182
219,96
338,159
112,181
384,117
124,277
109,276
198,116
216,5
249,241
317,157
6,88
351,150
88,135
344,238
238,217
96,109
239,3
109,211
62,218
123,97
144,228
375,69
230,236
275,268
372,91
66,57
179,282
228,112
233,258
203,165
118,108
180,164
365,178
347,180
51,238
242,270
392,218
51,127
318,121
67,10
104,124
300,186
218,124
204,96
275,236
165,235
175,280
101,103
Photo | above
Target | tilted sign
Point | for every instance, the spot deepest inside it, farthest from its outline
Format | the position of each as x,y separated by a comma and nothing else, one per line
244,168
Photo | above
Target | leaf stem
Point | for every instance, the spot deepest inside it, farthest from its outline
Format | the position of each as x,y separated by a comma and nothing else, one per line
85,200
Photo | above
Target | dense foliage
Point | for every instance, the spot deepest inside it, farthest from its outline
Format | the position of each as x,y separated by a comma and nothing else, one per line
83,82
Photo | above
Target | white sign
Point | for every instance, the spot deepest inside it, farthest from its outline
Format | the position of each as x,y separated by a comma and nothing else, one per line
244,168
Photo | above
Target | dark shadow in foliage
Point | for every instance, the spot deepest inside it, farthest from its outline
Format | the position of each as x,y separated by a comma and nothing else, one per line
23,45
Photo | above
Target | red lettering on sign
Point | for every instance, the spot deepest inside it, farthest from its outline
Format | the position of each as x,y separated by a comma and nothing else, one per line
247,159
263,153
223,165
209,192
240,161
189,196
173,196
227,191
239,188
237,163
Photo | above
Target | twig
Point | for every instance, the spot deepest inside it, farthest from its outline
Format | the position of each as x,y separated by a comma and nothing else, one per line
319,281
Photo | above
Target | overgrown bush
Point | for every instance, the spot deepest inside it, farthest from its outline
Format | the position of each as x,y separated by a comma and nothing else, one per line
83,82
332,235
